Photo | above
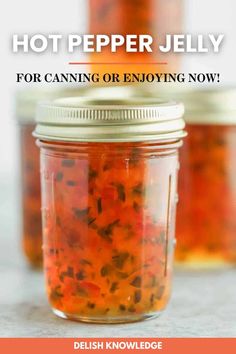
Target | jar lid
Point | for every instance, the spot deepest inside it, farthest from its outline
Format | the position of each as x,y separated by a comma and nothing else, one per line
110,120
211,106
203,106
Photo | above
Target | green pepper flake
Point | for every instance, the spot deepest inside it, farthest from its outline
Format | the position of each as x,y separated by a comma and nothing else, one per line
92,173
120,259
56,293
114,287
53,251
160,292
137,296
80,275
91,305
137,282
107,232
71,183
69,273
68,163
122,275
81,213
152,298
154,281
138,189
59,176
91,220
122,307
121,192
105,270
99,205
85,262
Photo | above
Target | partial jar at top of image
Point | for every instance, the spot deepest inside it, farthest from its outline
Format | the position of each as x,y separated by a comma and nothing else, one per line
136,17
31,228
109,174
206,217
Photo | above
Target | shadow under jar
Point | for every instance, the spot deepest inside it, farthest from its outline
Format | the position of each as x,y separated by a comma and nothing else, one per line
206,216
109,171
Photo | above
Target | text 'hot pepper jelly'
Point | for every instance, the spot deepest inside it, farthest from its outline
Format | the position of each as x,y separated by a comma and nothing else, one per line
109,175
206,216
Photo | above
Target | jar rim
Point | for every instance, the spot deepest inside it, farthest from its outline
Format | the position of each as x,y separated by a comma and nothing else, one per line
111,119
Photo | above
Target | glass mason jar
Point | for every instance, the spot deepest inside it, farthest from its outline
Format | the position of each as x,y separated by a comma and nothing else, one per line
109,173
30,179
153,17
206,217
26,102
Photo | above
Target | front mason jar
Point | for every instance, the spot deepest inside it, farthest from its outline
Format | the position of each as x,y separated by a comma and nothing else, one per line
109,177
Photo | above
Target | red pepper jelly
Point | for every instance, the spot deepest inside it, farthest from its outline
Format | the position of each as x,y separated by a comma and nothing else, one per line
206,217
109,176
155,18
31,229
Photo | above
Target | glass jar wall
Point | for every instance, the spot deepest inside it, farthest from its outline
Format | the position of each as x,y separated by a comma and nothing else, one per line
31,196
31,228
108,228
109,207
154,17
206,223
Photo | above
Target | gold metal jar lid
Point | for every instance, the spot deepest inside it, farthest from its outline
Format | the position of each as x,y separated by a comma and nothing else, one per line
203,106
110,120
211,106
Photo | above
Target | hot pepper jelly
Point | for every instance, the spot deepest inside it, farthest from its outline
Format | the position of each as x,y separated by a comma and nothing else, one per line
206,217
30,178
109,170
30,175
135,17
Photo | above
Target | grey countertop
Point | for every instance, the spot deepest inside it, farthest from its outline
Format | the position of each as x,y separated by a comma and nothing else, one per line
203,304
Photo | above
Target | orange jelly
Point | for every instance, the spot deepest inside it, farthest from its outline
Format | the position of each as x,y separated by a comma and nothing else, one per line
206,217
207,196
108,211
153,17
31,196
31,231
